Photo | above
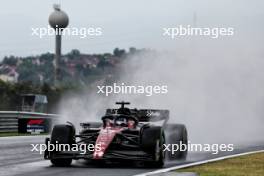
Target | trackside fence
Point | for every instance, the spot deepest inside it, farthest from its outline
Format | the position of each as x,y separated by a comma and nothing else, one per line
19,121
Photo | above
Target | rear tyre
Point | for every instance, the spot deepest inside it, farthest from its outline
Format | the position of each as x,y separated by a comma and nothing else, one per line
62,134
152,142
177,134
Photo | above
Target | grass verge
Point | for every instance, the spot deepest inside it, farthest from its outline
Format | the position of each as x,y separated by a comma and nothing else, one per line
248,165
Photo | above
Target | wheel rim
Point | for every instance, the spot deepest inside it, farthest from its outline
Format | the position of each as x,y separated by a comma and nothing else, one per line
157,150
159,153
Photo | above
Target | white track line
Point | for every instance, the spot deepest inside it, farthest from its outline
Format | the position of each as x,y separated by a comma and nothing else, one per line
23,137
197,163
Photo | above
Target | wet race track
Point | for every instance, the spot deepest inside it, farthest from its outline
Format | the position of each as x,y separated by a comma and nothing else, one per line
16,158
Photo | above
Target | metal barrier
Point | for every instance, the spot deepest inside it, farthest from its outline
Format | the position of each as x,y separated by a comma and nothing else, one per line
8,122
18,121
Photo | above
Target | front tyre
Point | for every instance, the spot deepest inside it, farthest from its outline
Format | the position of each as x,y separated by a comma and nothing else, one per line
62,134
61,162
152,142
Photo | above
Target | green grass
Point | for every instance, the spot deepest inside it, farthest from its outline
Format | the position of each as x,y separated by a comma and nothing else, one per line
249,165
6,134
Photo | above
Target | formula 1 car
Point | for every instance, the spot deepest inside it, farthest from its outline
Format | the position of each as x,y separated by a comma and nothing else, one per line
124,134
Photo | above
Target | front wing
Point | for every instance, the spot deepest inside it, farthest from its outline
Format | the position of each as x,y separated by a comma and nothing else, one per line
116,152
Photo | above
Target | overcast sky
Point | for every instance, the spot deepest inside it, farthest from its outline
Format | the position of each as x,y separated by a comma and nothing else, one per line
125,23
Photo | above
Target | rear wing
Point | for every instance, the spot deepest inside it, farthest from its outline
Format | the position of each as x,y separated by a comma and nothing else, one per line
145,115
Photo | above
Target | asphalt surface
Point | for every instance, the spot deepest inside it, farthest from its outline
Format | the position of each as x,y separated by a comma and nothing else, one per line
16,158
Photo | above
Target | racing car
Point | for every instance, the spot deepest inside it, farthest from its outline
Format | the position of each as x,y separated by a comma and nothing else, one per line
123,134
